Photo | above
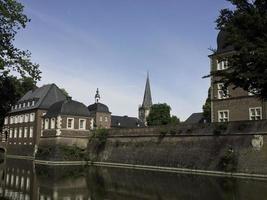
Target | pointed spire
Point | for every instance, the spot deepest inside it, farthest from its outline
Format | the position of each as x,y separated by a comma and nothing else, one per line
97,96
147,101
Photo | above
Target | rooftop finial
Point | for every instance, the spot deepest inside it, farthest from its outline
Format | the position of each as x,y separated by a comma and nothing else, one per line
97,96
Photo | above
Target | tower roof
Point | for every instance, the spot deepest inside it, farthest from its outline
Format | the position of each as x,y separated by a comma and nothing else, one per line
147,101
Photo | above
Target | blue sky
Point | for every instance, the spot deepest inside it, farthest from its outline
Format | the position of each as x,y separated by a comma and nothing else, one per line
110,44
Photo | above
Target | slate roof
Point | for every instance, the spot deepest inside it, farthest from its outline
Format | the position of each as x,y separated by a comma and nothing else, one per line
222,46
43,97
195,118
98,107
147,101
68,107
125,122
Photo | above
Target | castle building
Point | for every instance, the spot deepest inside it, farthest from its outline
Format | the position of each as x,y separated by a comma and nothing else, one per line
144,109
100,113
234,104
22,125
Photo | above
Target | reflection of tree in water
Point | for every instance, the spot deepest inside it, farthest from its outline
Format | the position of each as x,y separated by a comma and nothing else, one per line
96,184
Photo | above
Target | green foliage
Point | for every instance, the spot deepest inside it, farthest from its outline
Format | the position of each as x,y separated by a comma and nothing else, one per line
219,128
228,162
73,153
160,115
100,138
11,90
246,30
13,59
207,108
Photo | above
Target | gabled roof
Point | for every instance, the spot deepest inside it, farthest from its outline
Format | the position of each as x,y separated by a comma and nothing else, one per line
43,98
125,122
147,101
195,118
68,107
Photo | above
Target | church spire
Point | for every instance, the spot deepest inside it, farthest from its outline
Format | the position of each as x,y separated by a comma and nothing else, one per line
147,101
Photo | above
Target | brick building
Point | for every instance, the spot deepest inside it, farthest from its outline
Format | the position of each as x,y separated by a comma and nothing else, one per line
236,104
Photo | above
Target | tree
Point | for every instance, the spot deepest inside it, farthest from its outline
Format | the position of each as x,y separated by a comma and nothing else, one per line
160,115
207,108
13,60
245,28
11,90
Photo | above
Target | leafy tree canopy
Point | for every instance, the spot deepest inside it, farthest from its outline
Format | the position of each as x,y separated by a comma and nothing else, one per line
207,108
13,60
246,30
160,115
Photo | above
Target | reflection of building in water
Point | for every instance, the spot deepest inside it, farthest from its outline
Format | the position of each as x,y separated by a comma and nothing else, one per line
18,181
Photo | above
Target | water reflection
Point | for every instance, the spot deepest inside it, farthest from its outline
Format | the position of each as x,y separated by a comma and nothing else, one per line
23,180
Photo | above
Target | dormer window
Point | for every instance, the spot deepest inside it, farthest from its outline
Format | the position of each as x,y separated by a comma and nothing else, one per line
28,104
24,105
222,64
33,103
16,106
19,105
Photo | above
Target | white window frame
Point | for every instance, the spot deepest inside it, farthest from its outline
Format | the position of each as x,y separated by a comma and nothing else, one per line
25,132
24,105
100,119
256,115
84,124
15,132
32,117
20,132
31,132
11,120
72,124
33,103
16,106
11,133
28,104
26,118
6,121
53,123
16,119
222,64
220,92
46,123
224,118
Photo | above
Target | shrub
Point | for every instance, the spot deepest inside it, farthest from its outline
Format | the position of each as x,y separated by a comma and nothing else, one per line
219,128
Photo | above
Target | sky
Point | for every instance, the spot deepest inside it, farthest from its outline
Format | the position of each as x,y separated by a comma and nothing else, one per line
83,45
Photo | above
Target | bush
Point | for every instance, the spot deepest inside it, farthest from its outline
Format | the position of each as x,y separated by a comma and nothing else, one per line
100,138
219,128
228,162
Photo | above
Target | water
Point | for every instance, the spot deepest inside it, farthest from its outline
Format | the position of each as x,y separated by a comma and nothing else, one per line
23,180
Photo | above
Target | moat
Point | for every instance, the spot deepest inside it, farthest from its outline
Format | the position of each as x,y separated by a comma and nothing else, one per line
21,179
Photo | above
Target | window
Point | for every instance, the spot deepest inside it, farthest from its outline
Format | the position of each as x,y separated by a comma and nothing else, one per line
32,115
33,103
28,104
11,133
70,123
221,93
21,118
46,125
15,133
53,123
25,132
11,120
222,64
31,132
223,115
16,106
255,113
106,119
26,118
82,124
6,120
16,119
24,105
20,132
100,119
19,105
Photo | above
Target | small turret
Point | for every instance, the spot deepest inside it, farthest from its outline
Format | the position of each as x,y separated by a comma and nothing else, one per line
97,96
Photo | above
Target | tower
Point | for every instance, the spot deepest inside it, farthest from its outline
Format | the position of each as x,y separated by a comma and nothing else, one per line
97,96
144,109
